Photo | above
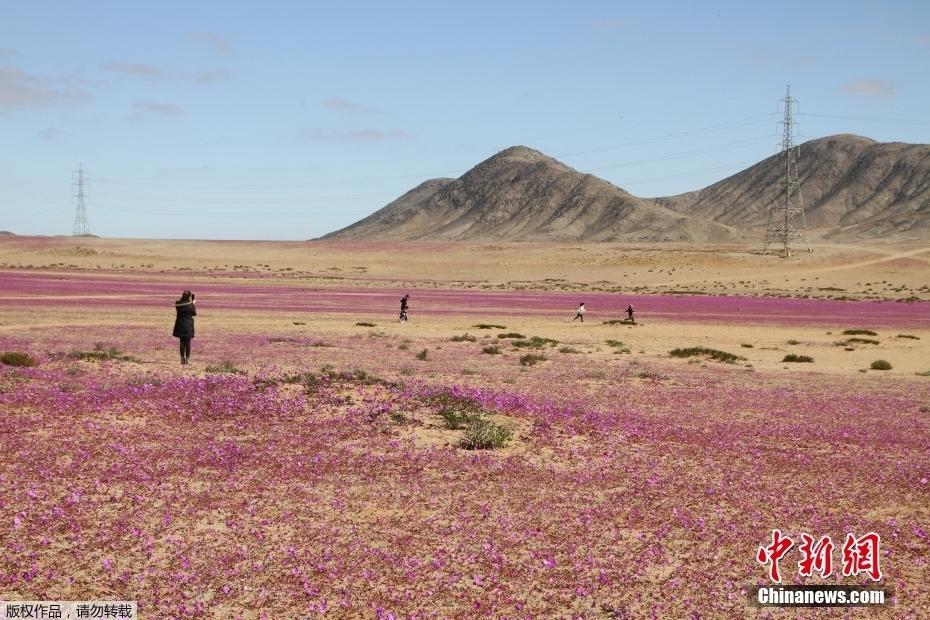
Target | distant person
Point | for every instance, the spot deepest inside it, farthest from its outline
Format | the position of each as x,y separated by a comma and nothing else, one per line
403,307
579,313
629,313
184,324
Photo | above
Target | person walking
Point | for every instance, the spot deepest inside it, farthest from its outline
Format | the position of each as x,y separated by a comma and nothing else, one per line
184,323
629,313
403,307
579,314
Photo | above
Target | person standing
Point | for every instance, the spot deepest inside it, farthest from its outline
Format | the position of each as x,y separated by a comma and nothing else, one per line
184,323
579,314
403,307
629,313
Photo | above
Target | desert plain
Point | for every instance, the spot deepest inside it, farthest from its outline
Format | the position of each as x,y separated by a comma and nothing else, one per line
314,460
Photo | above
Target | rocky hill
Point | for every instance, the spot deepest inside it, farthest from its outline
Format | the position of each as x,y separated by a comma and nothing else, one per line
522,195
852,187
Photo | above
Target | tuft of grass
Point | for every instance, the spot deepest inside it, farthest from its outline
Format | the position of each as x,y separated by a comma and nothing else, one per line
491,350
746,345
298,322
925,373
859,332
791,357
226,367
569,350
861,341
715,354
101,352
469,371
17,358
365,324
397,417
403,346
464,338
422,355
483,434
880,365
536,342
530,359
910,336
793,341
511,335
489,326
618,322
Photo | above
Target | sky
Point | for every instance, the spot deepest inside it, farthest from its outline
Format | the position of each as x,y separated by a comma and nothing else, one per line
288,120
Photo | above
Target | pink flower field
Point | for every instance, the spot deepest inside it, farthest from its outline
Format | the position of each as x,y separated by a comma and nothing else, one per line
319,475
148,291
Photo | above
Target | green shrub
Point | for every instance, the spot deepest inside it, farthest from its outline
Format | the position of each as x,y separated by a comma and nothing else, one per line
859,332
365,324
489,326
791,357
880,365
17,358
720,356
569,350
226,367
925,373
618,322
746,345
422,355
511,335
491,350
403,346
530,359
912,337
464,338
792,341
861,341
536,342
101,352
482,434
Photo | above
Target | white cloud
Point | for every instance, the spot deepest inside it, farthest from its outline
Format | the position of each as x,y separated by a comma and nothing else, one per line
338,104
50,134
145,109
21,89
869,88
212,76
135,69
212,41
610,24
350,135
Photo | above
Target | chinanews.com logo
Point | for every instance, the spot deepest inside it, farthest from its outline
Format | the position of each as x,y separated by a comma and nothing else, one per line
860,556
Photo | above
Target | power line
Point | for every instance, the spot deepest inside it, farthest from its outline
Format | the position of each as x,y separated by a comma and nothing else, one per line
870,119
80,215
786,217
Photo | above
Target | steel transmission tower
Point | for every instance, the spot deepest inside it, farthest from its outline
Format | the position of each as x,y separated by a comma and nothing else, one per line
80,214
786,218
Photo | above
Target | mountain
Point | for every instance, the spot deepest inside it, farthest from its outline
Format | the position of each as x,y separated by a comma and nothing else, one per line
522,195
852,188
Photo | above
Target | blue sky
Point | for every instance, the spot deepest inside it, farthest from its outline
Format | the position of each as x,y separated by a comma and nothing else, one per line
287,120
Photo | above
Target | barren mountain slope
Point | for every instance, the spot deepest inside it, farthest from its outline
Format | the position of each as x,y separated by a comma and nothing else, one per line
852,188
522,195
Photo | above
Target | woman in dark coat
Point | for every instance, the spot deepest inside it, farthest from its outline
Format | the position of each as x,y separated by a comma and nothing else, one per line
184,323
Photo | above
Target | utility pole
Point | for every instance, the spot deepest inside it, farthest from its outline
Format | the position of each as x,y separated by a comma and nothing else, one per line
80,214
786,217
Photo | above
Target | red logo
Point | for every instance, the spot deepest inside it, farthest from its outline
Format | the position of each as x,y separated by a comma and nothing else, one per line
860,555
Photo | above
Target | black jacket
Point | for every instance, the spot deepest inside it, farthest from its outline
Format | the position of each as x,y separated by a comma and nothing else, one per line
184,324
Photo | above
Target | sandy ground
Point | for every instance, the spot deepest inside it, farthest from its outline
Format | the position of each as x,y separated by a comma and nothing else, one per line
860,272
853,271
